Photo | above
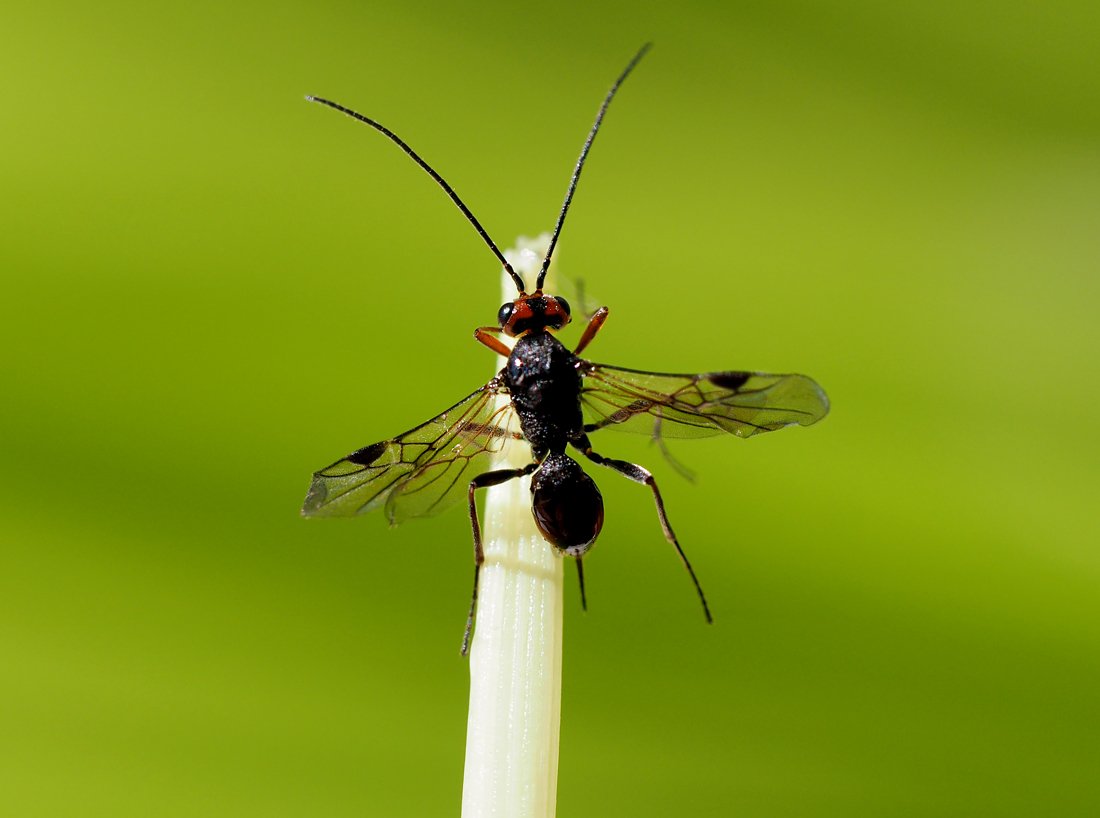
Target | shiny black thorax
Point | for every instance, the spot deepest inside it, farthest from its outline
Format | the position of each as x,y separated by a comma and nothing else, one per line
544,380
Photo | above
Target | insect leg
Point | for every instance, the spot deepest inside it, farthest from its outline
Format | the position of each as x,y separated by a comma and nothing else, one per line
580,576
489,478
594,324
636,473
485,336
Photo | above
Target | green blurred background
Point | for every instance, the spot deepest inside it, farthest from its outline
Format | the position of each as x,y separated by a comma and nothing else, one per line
213,288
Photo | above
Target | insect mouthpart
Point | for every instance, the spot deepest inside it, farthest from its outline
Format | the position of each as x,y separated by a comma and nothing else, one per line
533,312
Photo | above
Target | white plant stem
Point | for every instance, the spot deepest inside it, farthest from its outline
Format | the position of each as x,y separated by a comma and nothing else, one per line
516,653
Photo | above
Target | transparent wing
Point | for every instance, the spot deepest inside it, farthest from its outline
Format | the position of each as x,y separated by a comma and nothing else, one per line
422,471
667,405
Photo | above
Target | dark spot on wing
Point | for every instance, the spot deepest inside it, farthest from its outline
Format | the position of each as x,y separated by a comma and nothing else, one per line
729,380
368,454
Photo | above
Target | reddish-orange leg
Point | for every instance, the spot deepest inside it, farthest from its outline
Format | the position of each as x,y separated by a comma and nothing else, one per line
594,324
487,336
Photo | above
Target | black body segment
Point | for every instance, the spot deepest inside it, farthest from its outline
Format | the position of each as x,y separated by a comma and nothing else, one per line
544,380
567,505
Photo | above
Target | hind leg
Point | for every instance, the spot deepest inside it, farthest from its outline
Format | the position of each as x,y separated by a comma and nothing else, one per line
634,472
489,478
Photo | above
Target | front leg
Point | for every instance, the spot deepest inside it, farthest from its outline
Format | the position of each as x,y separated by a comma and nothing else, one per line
594,324
487,336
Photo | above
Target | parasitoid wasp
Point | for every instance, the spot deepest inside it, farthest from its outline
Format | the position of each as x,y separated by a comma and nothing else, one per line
559,399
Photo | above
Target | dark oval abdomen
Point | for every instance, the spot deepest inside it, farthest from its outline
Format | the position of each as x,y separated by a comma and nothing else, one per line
567,505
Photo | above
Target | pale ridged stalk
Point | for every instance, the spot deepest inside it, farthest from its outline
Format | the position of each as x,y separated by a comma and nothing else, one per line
515,656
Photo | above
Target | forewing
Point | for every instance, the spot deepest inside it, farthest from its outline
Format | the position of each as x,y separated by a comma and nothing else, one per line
668,405
420,472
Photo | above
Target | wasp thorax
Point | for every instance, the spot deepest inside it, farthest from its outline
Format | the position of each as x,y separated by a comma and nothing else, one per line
567,505
533,312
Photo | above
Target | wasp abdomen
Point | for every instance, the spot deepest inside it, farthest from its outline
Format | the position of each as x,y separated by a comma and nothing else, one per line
567,505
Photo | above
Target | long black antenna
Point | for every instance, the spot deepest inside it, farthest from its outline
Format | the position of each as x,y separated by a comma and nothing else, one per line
439,179
584,154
